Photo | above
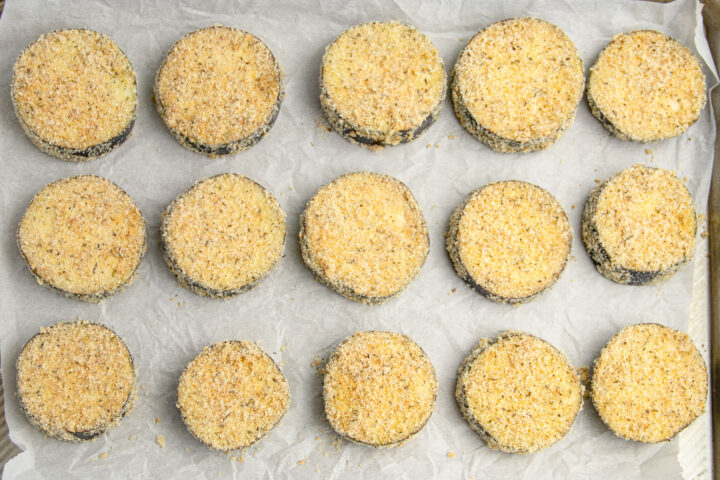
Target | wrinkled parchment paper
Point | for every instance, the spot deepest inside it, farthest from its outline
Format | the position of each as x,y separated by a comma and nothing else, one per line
293,317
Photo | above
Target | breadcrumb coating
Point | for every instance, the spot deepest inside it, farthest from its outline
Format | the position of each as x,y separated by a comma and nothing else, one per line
649,383
379,388
74,93
516,84
82,236
646,86
639,226
518,392
219,90
381,83
365,236
224,235
509,240
75,380
231,395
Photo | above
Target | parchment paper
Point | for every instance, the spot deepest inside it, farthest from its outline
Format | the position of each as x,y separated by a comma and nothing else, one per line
296,319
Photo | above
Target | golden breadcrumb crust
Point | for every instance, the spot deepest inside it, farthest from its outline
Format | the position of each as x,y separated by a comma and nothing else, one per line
74,93
365,236
75,380
509,240
646,86
379,389
649,383
219,90
382,83
639,226
82,236
231,395
518,392
516,84
223,236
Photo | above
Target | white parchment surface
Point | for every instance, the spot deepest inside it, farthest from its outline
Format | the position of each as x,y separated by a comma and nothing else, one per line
293,317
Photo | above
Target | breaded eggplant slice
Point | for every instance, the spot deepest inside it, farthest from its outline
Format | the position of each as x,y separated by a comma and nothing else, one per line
639,226
510,241
381,83
379,389
219,90
364,236
223,236
649,383
646,86
83,237
74,93
231,395
75,380
517,84
518,392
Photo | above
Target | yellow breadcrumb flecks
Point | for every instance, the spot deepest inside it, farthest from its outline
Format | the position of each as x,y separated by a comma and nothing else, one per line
82,236
646,86
75,380
381,83
365,236
75,94
516,85
231,395
379,389
219,90
649,383
639,226
509,240
223,236
518,392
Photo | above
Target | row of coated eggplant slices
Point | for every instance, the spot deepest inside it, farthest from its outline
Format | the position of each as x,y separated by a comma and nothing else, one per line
363,235
515,86
517,391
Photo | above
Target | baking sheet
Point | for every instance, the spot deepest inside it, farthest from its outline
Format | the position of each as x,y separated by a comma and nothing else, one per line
296,319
